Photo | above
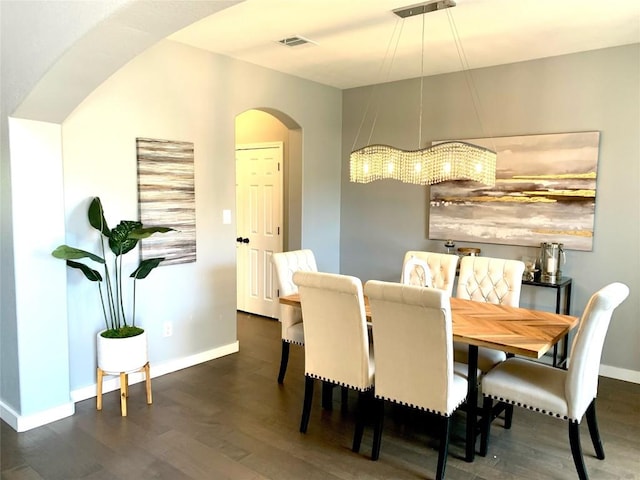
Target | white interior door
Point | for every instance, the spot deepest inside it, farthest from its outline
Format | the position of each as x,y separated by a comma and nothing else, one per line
259,225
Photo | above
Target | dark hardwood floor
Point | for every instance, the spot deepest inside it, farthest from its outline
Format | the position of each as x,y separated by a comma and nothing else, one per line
229,419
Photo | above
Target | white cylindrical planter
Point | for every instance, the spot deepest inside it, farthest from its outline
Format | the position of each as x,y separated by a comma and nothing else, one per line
122,355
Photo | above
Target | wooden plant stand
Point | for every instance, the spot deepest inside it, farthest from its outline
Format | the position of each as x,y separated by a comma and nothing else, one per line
124,387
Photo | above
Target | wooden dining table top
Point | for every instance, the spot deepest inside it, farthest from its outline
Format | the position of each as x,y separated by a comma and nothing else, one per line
520,331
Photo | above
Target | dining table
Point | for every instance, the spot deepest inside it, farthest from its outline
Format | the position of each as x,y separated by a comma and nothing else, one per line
514,330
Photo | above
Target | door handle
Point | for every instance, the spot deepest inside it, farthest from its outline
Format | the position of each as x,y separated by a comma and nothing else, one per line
239,239
245,240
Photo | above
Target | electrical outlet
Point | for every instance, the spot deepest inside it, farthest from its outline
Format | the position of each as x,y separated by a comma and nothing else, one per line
167,329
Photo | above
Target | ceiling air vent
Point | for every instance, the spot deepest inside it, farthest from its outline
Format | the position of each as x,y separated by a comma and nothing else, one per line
294,41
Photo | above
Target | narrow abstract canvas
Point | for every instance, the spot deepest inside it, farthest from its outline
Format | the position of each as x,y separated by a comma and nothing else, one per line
166,196
545,191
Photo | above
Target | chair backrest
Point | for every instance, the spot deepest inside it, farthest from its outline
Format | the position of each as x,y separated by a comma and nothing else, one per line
412,339
286,263
490,280
442,268
335,329
416,272
581,385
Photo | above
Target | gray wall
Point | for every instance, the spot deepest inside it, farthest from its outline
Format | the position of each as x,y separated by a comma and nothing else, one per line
597,90
169,91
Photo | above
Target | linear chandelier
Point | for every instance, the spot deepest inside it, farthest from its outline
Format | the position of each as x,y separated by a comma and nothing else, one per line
452,160
435,164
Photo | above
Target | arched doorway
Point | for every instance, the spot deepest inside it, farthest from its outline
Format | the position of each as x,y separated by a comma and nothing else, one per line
270,138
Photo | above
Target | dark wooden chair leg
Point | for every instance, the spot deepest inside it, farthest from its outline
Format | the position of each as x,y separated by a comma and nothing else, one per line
306,405
361,409
444,447
592,422
327,395
344,407
508,416
487,407
284,360
378,421
576,450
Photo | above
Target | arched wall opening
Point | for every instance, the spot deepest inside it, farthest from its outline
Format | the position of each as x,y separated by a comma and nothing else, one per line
270,125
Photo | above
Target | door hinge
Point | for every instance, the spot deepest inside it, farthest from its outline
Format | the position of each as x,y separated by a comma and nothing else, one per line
278,230
278,166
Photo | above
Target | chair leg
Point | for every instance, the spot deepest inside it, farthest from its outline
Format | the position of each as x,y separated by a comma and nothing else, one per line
284,360
444,447
576,450
508,416
377,428
592,422
344,407
306,406
487,407
327,395
361,415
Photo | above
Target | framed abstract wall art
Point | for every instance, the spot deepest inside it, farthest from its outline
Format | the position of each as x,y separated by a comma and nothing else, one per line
166,196
545,191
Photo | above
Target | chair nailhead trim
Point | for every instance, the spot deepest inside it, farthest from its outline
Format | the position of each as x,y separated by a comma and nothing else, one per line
295,343
340,384
442,414
535,409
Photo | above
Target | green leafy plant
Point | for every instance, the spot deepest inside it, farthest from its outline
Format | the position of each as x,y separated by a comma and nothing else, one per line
121,239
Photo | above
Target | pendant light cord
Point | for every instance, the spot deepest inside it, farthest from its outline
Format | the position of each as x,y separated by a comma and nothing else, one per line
475,97
386,79
421,87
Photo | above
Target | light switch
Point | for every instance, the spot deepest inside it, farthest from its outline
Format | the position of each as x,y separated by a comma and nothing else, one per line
226,217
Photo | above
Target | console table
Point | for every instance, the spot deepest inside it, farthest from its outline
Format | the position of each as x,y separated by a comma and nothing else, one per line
563,305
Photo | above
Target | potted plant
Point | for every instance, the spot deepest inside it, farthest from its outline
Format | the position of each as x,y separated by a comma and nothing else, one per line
121,239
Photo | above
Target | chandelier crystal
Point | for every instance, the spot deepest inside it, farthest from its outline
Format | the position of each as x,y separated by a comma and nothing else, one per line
438,163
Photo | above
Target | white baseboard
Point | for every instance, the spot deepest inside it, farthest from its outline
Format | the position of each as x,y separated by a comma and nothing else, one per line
625,374
22,423
112,383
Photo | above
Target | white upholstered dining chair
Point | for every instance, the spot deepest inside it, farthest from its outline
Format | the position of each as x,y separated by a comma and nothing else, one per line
489,280
337,349
429,269
412,337
286,263
564,394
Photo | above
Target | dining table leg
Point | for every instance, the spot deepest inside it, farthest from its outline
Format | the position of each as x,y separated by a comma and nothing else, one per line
472,400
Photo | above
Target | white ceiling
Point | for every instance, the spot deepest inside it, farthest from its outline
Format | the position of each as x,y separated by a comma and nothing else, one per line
351,37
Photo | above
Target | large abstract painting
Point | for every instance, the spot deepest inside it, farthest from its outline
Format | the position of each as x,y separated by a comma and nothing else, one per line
545,191
166,196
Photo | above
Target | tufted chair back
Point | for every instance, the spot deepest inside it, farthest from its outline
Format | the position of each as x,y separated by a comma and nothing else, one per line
441,269
581,384
286,263
416,272
335,329
490,280
412,335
